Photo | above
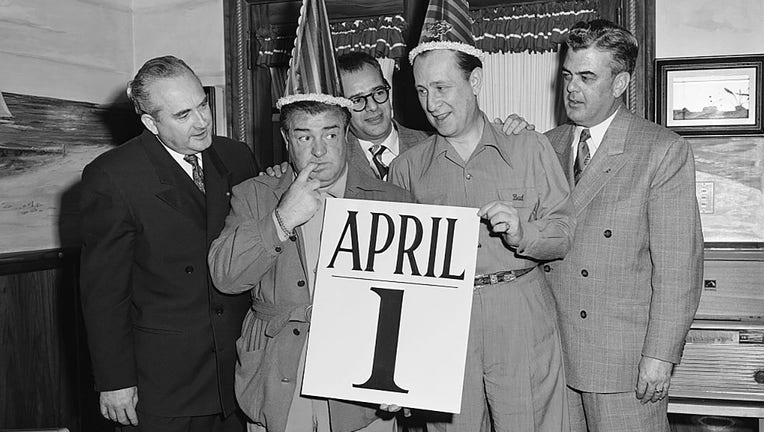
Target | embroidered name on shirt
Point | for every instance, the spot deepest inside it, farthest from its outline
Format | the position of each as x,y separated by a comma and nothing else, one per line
518,197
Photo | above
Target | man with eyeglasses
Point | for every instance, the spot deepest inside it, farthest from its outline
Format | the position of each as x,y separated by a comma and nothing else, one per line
376,137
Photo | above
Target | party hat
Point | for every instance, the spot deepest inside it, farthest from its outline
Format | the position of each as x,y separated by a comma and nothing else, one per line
313,74
447,25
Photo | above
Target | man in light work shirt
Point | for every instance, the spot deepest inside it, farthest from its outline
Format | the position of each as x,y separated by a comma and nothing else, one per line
514,359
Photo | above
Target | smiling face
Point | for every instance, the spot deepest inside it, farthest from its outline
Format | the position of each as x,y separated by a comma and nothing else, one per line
448,98
375,122
318,138
182,118
592,91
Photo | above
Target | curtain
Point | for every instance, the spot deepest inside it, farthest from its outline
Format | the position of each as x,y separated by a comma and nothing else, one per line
521,83
534,28
378,36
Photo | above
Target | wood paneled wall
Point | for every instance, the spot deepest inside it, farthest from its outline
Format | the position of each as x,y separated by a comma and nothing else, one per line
45,378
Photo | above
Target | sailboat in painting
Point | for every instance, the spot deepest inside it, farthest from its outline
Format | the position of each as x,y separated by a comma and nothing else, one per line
4,111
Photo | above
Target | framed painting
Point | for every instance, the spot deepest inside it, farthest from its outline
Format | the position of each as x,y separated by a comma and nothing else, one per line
710,96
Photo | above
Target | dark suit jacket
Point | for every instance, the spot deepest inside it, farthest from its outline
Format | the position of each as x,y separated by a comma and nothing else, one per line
152,315
249,257
631,283
407,138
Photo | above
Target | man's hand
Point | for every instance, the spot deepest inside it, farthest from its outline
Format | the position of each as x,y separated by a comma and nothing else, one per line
503,219
514,124
276,170
653,379
119,405
301,200
395,408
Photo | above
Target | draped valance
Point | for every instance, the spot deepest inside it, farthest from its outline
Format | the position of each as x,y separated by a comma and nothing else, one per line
378,36
536,27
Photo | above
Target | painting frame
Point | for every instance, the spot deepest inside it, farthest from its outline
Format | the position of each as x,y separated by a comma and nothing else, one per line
710,96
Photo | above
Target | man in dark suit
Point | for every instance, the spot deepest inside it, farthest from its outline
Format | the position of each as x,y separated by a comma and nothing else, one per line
162,339
627,291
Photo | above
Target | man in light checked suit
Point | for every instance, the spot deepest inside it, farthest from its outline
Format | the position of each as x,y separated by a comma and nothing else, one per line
627,291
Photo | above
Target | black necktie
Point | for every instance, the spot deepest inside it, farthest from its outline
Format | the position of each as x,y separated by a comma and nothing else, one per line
583,156
197,172
377,159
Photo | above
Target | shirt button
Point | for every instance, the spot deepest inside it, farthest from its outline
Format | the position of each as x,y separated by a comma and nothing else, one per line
189,269
468,176
547,268
277,248
583,314
584,273
296,332
285,380
228,193
300,283
607,233
480,245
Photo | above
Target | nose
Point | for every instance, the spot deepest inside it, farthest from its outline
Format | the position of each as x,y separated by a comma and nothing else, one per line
432,102
571,86
203,118
371,104
319,148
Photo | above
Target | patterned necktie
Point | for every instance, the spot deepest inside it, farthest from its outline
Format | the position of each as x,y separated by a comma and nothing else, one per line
377,159
583,156
197,172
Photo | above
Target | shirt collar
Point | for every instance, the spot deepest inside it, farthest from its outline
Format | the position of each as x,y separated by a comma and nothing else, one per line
597,132
391,142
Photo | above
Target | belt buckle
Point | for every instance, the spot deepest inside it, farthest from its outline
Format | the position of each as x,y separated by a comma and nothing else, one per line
493,278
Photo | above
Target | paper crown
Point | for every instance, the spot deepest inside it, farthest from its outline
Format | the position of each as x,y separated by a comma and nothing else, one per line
447,25
313,74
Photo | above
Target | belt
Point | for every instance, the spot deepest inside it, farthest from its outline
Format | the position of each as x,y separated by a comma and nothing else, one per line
501,276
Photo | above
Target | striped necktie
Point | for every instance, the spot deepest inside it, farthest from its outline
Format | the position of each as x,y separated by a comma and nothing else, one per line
583,156
377,159
197,172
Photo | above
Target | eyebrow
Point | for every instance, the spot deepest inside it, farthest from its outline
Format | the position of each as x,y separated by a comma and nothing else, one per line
324,128
186,111
364,93
586,72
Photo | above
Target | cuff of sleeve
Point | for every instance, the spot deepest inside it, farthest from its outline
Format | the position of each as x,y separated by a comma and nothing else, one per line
531,234
269,233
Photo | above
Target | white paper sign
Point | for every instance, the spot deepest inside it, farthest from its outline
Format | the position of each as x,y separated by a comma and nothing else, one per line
392,302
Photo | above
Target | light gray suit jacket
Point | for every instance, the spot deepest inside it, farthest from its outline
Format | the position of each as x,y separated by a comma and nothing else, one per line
407,138
631,283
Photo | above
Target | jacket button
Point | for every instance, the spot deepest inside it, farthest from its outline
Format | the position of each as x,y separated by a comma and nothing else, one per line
219,310
277,249
189,269
228,193
583,314
547,268
607,233
296,332
300,283
584,273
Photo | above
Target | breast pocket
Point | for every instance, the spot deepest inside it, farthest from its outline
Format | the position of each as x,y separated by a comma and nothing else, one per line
525,200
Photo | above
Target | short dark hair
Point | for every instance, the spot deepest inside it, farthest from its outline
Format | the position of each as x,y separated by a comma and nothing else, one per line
466,62
355,61
152,70
310,107
606,36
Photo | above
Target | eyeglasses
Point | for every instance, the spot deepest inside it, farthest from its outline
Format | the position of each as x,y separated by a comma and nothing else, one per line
379,94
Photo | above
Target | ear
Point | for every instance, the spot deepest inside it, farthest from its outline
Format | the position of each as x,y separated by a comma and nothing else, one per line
286,140
150,123
476,80
620,84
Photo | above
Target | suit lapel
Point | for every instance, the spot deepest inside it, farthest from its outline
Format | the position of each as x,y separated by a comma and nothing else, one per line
564,154
174,186
607,161
357,158
217,183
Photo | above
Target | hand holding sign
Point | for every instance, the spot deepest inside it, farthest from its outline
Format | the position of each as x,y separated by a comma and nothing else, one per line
301,200
504,219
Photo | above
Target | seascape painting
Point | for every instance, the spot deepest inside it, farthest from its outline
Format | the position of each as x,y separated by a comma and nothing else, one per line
730,188
44,145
